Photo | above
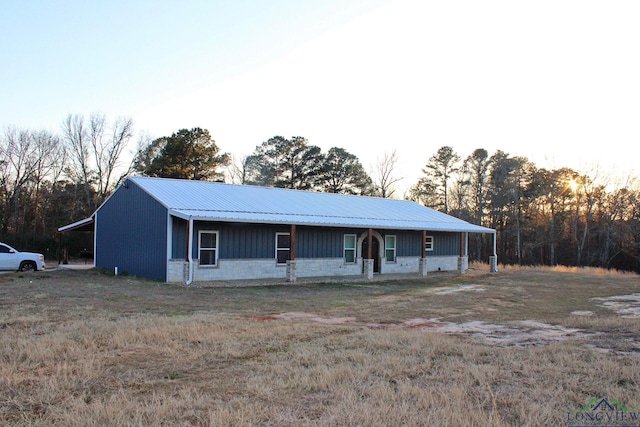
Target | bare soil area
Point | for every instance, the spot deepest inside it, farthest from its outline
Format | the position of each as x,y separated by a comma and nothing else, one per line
521,347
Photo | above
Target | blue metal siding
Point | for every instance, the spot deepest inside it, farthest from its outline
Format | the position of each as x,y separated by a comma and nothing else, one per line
320,242
445,244
408,243
241,241
179,238
252,241
131,233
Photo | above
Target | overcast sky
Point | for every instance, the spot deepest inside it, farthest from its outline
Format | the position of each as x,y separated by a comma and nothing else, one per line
555,81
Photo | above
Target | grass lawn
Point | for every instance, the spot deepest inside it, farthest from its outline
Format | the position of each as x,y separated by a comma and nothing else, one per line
523,347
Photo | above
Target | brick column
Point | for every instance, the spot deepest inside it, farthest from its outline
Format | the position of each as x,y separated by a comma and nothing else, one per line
185,272
291,271
368,268
463,264
422,267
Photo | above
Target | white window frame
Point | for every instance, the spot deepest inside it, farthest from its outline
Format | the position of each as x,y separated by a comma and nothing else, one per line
345,248
387,248
283,249
214,249
429,244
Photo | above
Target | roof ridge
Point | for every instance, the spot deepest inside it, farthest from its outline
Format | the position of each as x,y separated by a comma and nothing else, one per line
266,188
218,201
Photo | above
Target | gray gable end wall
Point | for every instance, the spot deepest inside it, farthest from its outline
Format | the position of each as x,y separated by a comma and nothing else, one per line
131,233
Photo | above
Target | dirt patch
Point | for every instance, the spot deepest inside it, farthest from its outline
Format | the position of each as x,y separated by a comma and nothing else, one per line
460,288
263,317
582,313
516,333
627,306
330,320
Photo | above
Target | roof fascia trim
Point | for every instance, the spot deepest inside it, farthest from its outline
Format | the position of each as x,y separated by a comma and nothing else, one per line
77,224
183,215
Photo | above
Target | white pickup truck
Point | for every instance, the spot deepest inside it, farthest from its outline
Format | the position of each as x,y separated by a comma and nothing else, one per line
11,259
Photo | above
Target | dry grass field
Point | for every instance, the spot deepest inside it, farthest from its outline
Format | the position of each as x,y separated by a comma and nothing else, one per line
523,347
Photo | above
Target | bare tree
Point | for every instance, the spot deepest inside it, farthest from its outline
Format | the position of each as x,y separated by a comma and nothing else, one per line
28,161
51,160
384,174
21,157
238,170
96,150
75,135
107,151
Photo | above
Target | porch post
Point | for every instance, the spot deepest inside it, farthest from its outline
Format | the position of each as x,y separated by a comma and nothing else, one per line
422,265
462,259
291,262
292,242
368,263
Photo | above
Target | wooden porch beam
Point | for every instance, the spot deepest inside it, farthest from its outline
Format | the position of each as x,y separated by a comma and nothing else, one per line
292,242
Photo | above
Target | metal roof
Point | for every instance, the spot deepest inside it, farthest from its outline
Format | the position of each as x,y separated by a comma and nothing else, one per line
86,224
215,201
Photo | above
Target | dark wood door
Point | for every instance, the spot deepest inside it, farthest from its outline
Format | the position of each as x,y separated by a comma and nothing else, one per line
375,253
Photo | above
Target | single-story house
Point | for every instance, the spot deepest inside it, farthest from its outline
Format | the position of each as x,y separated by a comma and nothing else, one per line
184,231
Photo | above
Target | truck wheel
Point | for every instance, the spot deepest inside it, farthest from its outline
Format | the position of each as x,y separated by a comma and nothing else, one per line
28,266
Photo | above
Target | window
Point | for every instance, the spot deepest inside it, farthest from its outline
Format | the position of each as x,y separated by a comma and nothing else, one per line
208,248
283,247
428,244
350,248
390,248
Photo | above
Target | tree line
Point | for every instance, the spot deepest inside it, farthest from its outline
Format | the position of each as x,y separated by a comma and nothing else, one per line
541,216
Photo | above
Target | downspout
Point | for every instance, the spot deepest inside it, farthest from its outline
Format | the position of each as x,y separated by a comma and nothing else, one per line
95,240
495,244
494,264
190,250
466,244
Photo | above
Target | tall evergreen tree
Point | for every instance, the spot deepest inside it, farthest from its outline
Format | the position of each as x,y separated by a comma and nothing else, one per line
286,163
186,154
440,169
342,172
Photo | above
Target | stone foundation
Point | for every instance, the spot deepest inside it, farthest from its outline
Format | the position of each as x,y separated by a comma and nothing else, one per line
238,269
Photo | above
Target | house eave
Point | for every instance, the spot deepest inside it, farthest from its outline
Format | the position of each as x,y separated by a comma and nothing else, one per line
86,224
336,222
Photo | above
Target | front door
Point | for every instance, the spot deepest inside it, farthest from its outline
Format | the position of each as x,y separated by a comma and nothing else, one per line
375,253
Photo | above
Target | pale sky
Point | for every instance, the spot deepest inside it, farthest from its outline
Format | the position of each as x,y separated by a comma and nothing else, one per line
555,81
